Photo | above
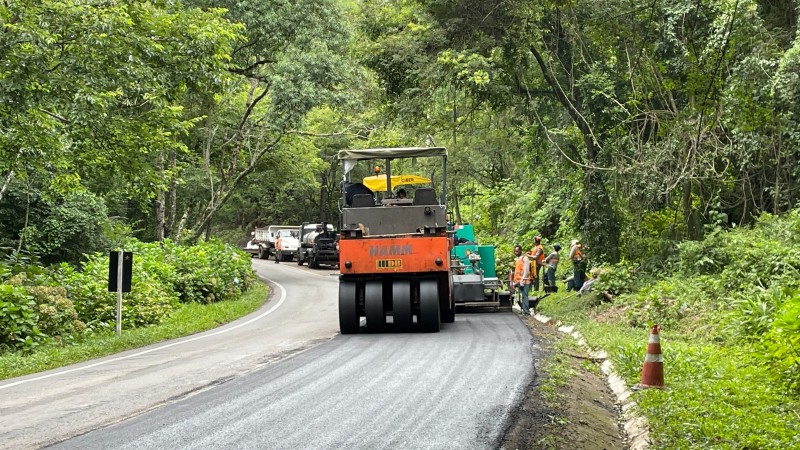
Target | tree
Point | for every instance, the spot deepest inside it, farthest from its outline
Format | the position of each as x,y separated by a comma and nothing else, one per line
289,63
91,92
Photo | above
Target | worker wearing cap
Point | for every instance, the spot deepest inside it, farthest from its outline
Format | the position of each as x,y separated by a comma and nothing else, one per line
537,258
578,264
551,261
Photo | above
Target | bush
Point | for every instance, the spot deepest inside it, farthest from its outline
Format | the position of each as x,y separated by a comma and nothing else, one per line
617,279
57,317
18,317
72,226
62,303
211,271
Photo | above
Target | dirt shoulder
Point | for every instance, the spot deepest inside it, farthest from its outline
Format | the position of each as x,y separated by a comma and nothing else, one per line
568,404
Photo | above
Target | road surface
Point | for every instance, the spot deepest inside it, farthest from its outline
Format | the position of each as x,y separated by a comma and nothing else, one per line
283,378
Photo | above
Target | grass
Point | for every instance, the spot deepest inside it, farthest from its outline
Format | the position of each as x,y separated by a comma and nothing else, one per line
189,319
717,396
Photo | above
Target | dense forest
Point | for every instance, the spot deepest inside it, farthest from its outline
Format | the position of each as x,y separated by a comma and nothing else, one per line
630,125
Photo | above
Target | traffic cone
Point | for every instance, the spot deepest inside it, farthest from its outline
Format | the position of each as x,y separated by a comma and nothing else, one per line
653,368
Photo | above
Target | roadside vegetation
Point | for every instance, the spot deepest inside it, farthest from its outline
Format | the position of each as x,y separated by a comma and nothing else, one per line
729,308
57,315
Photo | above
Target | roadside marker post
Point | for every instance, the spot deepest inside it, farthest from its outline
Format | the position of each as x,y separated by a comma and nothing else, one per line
120,272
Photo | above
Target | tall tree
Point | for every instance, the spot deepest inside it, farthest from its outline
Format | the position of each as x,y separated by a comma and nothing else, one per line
289,63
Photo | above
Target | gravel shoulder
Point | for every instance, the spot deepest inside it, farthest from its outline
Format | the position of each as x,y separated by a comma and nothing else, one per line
568,403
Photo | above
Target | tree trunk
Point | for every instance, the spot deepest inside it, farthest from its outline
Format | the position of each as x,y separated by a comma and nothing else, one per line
597,220
172,197
159,204
694,228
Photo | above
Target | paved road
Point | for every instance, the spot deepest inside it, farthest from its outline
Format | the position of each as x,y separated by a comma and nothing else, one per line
264,384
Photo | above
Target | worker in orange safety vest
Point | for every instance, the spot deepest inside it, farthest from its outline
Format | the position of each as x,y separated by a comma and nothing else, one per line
578,265
537,261
522,278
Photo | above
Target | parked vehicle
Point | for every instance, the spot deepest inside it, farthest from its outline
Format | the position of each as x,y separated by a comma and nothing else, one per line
475,281
263,242
319,245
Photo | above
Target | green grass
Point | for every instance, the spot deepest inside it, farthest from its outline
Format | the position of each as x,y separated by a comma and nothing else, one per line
716,396
189,319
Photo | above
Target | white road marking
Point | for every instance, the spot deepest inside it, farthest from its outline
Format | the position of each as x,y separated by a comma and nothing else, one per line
173,344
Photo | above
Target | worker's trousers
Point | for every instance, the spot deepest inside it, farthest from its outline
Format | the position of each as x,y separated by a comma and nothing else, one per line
524,302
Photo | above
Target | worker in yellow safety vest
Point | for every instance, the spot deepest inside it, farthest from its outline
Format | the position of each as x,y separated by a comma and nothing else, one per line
522,278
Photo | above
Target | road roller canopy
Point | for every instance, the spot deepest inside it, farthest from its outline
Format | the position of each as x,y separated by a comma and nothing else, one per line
378,182
391,153
385,181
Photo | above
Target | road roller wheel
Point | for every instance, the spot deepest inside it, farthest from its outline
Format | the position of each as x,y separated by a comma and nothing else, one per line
401,305
348,308
429,306
373,306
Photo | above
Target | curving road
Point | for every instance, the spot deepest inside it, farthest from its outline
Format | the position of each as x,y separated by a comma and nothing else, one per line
275,379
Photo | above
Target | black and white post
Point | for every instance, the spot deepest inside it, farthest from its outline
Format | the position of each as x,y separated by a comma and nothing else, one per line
120,259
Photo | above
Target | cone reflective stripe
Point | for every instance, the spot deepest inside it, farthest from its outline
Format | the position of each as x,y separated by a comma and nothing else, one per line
653,368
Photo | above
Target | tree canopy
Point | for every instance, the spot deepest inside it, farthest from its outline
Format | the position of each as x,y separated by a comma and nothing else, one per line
632,126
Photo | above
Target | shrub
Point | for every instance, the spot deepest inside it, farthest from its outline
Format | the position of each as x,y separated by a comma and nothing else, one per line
211,271
782,341
18,319
57,317
72,226
617,279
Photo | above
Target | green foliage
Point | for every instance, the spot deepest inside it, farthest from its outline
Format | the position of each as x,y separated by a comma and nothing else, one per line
81,81
616,279
18,319
72,226
163,275
189,318
211,272
782,341
57,317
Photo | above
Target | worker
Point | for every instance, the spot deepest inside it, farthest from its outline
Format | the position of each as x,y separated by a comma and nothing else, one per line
401,193
278,248
578,264
537,256
551,261
522,278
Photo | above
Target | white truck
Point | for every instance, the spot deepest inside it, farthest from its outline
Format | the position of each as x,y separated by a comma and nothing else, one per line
263,242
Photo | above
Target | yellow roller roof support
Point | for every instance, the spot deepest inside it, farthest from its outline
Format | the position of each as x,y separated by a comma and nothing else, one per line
378,182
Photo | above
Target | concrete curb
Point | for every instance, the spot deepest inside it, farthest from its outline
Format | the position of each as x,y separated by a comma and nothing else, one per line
635,426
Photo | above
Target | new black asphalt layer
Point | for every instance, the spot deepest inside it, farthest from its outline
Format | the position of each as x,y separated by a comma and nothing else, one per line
452,389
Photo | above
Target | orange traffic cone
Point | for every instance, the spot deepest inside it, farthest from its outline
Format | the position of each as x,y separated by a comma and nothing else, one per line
653,368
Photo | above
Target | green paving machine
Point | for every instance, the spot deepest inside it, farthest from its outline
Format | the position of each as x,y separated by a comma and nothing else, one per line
475,281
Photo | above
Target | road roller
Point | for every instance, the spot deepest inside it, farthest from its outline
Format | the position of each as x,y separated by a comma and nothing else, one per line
394,245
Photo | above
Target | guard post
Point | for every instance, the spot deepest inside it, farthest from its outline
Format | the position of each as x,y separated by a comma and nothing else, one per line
120,272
